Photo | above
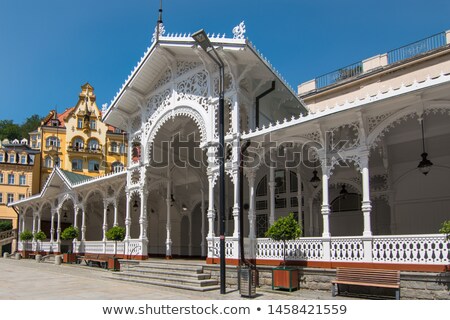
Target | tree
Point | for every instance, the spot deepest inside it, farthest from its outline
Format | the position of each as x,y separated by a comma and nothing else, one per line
69,233
5,225
115,234
40,235
284,229
445,229
26,235
9,130
29,125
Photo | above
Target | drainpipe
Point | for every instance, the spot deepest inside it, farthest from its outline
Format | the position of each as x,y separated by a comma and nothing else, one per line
260,97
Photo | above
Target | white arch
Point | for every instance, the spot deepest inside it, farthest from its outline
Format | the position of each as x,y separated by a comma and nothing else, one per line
185,108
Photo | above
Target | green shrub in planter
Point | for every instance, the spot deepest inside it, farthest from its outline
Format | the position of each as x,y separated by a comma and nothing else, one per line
284,229
69,233
40,235
445,228
116,233
26,235
5,225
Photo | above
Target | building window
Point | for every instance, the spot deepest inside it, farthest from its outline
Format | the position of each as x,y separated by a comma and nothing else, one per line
280,181
11,178
93,165
261,225
22,180
93,145
122,148
80,123
48,162
12,158
77,164
21,196
117,167
57,162
52,141
55,123
93,125
1,177
114,147
78,144
1,197
23,159
117,130
10,198
261,189
1,157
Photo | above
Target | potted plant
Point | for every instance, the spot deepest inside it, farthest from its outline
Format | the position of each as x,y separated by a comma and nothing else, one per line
39,236
25,236
285,229
69,233
445,229
115,234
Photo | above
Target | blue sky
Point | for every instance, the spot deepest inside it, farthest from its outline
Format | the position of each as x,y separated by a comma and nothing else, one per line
49,48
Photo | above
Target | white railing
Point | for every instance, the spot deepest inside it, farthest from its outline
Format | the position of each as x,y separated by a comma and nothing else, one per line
418,249
407,249
347,249
45,246
300,249
93,247
231,248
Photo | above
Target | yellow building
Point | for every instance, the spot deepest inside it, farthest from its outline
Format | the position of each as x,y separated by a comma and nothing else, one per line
19,178
77,140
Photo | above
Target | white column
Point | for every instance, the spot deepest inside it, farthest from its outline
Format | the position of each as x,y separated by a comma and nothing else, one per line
39,217
366,206
105,219
211,212
168,225
203,243
127,217
83,224
251,175
325,210
52,226
272,194
34,223
58,227
19,225
75,217
115,213
143,215
236,179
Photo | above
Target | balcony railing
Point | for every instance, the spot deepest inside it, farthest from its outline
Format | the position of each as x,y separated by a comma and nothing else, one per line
400,54
417,48
339,75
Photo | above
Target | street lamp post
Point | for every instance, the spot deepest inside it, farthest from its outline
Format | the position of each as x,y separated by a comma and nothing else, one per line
201,38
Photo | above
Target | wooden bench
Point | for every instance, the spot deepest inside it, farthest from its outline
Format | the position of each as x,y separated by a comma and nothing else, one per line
97,259
367,277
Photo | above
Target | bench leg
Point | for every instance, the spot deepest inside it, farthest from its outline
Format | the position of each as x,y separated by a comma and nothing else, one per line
333,290
397,294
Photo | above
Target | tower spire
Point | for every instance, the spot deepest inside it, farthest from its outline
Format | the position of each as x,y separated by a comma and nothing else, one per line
159,29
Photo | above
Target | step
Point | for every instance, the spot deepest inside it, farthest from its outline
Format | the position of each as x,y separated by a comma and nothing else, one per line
164,278
168,284
198,276
167,267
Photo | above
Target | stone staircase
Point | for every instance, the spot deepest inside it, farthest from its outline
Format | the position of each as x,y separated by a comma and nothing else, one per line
180,275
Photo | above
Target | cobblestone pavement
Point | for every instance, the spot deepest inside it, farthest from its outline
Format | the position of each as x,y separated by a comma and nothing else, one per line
29,280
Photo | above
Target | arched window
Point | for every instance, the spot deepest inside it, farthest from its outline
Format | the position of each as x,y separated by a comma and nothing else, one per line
117,166
261,189
48,163
78,143
93,165
93,145
346,202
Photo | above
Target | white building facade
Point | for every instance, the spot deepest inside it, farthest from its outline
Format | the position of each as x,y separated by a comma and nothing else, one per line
342,157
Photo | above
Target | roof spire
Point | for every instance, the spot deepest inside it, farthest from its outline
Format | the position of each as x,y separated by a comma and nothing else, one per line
159,29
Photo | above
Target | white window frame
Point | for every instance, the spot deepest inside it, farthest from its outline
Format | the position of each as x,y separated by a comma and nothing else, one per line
22,180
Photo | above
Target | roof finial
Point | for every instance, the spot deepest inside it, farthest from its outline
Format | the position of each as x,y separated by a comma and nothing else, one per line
159,29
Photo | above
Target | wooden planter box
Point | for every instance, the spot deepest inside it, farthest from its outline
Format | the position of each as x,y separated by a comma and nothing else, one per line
69,258
113,264
285,278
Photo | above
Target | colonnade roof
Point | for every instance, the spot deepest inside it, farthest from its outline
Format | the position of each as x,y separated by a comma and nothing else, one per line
239,55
